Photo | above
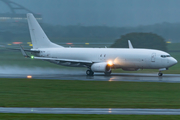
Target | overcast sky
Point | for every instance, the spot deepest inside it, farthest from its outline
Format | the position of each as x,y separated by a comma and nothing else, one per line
103,12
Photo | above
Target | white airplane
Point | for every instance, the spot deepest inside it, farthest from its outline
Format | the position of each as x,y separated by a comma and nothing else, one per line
95,59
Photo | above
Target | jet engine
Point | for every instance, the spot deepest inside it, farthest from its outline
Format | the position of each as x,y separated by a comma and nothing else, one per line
101,67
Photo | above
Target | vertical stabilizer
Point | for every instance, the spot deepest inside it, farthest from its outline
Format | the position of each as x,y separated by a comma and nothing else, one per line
38,37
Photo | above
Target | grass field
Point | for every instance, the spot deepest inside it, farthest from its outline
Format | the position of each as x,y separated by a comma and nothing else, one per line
88,94
86,117
173,46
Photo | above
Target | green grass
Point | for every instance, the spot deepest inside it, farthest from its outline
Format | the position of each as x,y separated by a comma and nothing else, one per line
173,46
85,117
88,94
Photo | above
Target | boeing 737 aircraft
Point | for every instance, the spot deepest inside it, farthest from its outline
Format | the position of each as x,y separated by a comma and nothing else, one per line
95,59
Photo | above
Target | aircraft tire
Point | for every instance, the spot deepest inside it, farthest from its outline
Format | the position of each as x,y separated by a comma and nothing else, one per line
160,74
107,73
89,72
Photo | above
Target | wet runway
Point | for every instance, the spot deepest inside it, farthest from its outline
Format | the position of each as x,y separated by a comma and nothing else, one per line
135,77
125,111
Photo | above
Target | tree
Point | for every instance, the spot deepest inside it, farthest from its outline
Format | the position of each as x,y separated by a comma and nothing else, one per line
141,40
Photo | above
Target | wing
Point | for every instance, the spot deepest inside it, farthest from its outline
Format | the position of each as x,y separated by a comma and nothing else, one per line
63,60
57,60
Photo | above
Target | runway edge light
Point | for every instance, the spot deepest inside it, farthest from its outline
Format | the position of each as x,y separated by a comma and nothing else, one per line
29,76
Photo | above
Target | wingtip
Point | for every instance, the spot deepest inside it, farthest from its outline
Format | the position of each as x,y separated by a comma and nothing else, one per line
130,44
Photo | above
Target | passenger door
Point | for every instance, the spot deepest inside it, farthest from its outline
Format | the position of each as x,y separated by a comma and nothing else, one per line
153,57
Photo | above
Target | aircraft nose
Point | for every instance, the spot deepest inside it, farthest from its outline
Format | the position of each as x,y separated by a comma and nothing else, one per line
173,61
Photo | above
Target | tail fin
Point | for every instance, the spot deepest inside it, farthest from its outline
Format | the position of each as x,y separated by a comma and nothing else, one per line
38,37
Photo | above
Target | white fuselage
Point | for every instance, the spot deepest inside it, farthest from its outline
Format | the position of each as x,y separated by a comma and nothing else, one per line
121,58
95,59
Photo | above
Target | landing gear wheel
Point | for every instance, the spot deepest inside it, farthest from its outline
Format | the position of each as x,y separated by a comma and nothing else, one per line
107,73
89,72
160,74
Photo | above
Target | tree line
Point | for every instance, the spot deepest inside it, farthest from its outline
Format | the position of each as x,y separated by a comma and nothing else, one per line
169,31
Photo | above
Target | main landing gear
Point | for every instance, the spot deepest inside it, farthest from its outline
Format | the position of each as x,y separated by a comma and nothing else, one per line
108,73
160,74
89,72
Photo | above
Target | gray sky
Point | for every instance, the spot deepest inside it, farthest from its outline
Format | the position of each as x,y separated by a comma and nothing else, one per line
104,12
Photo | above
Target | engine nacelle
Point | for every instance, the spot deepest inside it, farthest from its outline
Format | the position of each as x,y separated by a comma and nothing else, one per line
101,67
130,69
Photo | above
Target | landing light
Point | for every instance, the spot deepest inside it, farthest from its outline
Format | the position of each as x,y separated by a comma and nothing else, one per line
110,63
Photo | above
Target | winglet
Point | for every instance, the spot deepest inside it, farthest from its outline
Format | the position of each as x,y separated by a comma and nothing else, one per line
130,45
23,52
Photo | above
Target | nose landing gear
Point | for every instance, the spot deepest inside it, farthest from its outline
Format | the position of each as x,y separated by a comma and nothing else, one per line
160,74
160,71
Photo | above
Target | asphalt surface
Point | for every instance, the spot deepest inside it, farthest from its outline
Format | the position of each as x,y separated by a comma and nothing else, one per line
124,111
134,77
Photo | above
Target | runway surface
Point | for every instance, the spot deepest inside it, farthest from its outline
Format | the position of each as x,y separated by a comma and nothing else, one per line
134,77
125,111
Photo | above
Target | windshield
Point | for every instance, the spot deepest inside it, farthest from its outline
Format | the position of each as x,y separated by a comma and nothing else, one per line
164,56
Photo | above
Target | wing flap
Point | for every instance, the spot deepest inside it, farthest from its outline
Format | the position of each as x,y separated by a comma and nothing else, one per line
55,59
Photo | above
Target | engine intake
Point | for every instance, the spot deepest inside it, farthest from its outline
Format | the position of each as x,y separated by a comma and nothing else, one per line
101,67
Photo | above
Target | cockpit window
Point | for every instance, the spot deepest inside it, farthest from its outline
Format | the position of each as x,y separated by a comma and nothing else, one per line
164,56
